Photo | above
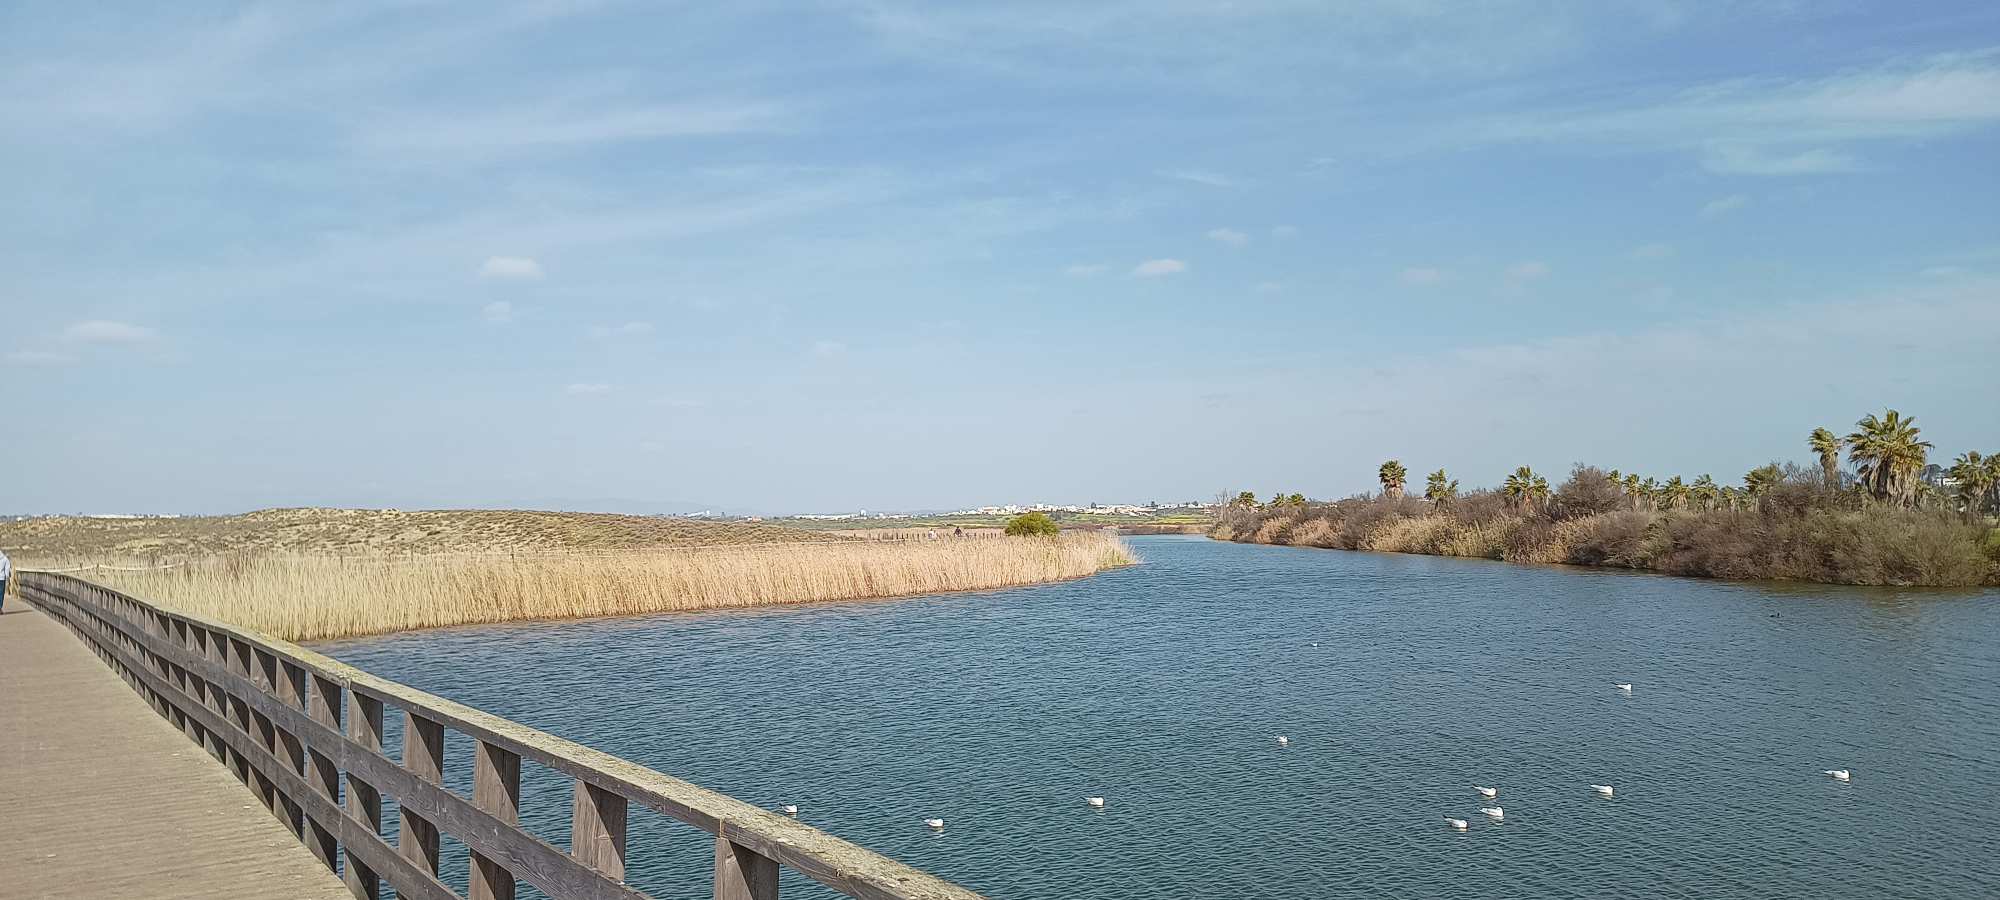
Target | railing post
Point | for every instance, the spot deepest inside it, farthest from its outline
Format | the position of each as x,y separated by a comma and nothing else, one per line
238,656
364,802
742,873
597,829
291,748
423,756
324,776
496,788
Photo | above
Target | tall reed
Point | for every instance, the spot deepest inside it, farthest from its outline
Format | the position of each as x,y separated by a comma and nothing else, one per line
303,598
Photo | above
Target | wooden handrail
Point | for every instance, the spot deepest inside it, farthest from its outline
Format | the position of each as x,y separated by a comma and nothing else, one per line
293,725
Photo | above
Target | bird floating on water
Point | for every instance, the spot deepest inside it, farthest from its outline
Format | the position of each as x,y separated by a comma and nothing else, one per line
1493,812
1455,823
1625,686
935,824
1604,789
1488,793
1284,741
790,809
1837,774
1095,801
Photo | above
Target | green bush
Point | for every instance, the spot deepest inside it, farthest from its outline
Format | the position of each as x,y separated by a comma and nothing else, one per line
1034,524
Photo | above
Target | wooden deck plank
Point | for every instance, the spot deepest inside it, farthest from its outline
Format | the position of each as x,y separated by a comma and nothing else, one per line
104,798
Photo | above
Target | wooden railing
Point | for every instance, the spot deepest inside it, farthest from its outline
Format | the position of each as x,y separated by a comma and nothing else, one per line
296,727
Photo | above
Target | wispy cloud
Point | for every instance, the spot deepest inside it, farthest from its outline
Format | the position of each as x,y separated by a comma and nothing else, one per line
510,267
1270,287
1782,126
1198,176
38,358
1655,250
101,331
629,329
1423,276
1527,270
1284,231
1229,236
585,388
1724,205
1084,270
499,312
826,349
561,123
1154,268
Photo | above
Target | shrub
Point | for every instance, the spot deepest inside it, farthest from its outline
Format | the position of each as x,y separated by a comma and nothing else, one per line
1034,524
1613,539
1588,492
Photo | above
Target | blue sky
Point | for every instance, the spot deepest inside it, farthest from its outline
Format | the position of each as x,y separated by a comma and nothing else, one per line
810,256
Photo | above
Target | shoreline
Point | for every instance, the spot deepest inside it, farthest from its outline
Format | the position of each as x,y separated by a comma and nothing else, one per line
306,599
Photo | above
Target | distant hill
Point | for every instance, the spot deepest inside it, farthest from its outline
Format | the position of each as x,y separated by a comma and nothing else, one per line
366,531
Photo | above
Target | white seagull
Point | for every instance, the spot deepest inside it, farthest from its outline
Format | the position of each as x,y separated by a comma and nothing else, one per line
935,824
1488,793
1284,741
1493,812
1837,774
1095,801
1604,789
790,809
1625,686
1455,823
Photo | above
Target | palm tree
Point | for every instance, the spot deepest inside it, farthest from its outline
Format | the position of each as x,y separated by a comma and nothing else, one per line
1993,481
1439,490
1888,454
1759,481
1674,493
1974,474
1634,489
1247,498
1827,446
1705,492
1649,493
1731,497
1525,489
1392,474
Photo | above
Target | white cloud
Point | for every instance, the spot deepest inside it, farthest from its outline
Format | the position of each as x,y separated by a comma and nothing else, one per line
1943,271
1229,236
1154,268
1741,159
1655,250
1270,287
1724,205
499,312
1527,270
1284,231
588,387
828,349
100,331
566,121
629,329
510,267
1197,176
1084,270
1423,276
38,358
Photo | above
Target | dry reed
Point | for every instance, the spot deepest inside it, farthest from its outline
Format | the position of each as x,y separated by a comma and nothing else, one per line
303,598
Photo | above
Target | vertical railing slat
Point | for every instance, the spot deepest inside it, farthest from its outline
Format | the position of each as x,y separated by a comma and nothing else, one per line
364,802
324,706
496,788
423,756
597,829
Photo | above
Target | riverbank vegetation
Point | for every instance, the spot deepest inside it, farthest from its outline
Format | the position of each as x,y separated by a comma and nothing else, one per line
304,598
1888,519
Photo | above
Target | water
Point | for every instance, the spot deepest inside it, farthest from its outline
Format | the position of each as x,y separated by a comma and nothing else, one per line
1162,688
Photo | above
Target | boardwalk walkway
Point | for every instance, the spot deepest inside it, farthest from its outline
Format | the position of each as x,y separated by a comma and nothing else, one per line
101,797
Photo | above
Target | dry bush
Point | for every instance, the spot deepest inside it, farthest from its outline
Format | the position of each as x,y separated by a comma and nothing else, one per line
1612,539
1588,492
1418,534
1317,532
1480,508
318,597
1273,530
1483,541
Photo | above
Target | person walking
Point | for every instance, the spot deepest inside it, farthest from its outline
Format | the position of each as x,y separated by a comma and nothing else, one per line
6,578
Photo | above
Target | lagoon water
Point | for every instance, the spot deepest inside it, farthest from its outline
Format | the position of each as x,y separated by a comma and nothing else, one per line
1401,681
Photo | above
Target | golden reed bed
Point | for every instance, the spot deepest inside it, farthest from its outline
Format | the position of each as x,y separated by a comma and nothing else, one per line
305,598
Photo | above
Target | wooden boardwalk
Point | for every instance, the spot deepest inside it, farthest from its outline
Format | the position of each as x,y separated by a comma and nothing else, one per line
102,797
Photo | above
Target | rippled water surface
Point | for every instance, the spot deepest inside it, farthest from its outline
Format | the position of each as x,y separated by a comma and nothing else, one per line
1402,682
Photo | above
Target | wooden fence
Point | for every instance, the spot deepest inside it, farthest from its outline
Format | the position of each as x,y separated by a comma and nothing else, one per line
296,727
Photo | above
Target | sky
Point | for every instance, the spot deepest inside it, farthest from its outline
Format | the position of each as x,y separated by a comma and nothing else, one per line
814,257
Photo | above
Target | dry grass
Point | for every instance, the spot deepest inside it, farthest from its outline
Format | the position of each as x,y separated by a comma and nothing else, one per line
370,531
302,598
